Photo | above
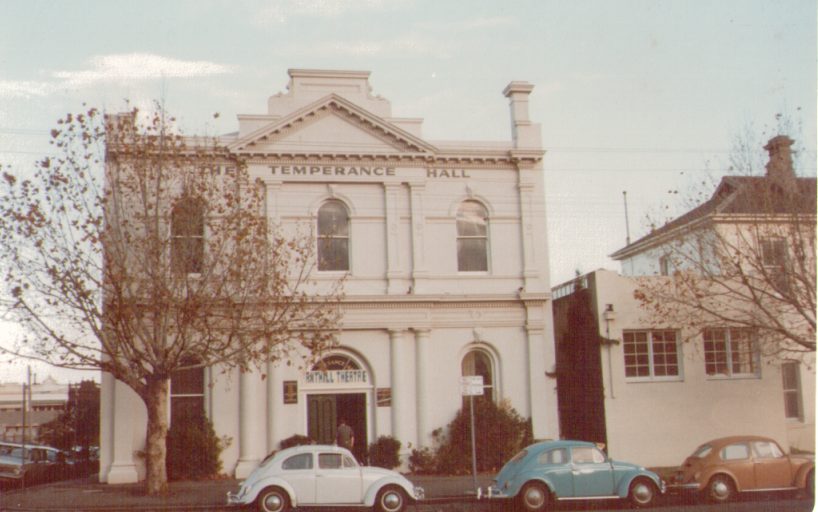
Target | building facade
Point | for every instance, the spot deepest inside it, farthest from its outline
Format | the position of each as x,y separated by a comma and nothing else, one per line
445,258
705,334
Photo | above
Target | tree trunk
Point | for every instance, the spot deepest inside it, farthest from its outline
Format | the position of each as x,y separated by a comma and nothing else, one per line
156,480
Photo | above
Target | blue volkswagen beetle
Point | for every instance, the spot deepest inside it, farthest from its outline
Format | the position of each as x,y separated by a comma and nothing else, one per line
570,470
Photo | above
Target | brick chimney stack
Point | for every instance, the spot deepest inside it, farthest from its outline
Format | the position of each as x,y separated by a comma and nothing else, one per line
779,168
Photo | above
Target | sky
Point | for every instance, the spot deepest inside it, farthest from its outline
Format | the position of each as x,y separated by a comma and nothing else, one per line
636,98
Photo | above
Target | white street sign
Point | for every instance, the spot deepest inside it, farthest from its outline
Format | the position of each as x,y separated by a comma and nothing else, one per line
471,385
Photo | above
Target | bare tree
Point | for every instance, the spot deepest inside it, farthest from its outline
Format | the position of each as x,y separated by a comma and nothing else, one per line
140,252
744,258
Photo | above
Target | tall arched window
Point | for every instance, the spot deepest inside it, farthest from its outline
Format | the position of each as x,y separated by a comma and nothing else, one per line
187,236
478,362
333,236
472,237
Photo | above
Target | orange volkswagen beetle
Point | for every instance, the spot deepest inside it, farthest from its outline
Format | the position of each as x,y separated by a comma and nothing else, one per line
722,467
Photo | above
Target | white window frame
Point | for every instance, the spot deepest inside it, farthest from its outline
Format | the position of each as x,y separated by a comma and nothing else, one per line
651,361
796,390
485,237
728,350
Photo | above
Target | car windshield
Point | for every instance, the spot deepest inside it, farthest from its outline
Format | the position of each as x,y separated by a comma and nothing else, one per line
702,451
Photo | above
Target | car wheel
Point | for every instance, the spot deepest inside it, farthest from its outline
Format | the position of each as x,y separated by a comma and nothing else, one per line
642,492
534,497
390,499
810,487
273,499
720,489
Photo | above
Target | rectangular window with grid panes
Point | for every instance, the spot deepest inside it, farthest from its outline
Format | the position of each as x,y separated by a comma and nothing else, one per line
652,354
731,352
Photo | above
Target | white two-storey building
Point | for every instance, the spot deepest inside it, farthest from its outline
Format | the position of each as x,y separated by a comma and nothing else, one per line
443,245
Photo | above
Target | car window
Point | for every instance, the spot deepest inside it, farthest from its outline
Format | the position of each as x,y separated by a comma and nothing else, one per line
586,455
557,456
349,462
767,450
702,451
329,460
735,452
300,461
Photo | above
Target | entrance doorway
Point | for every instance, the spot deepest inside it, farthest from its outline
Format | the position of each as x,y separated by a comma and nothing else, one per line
325,412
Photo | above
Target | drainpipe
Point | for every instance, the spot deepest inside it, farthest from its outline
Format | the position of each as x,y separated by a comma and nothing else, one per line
609,317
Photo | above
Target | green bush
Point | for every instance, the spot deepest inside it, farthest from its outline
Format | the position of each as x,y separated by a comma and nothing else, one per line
193,448
500,432
384,452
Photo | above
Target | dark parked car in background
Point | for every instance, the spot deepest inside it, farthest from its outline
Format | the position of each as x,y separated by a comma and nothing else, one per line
723,467
32,463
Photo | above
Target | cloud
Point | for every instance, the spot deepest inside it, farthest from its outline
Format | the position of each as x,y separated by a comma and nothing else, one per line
23,89
471,24
112,68
137,66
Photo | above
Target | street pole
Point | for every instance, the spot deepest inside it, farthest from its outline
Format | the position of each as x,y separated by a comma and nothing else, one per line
473,444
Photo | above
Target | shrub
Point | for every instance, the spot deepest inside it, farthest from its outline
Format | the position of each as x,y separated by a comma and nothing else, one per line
384,452
500,432
422,461
193,448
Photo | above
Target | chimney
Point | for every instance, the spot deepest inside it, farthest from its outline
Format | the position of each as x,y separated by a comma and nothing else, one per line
523,132
779,168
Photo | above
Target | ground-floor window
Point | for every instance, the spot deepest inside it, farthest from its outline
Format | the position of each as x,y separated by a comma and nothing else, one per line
187,394
792,390
651,354
730,352
478,362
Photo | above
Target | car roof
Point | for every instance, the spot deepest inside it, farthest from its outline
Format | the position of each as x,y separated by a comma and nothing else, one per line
312,448
558,443
721,441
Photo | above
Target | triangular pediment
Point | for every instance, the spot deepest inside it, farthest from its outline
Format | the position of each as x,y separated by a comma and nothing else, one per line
331,125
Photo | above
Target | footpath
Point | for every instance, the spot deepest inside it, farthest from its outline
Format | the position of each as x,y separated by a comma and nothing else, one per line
446,494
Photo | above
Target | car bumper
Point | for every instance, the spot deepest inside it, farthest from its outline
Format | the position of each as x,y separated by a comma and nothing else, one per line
237,498
419,493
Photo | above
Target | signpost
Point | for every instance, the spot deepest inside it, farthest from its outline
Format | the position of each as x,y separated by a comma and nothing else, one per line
471,386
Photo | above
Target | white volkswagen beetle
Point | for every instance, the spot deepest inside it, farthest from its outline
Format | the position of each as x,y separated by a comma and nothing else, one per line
321,475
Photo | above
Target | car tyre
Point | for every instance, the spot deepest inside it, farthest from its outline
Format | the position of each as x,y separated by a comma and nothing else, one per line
273,499
720,489
810,484
642,492
534,497
391,499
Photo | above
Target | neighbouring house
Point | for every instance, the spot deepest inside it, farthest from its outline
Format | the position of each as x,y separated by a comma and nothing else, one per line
45,401
444,251
655,378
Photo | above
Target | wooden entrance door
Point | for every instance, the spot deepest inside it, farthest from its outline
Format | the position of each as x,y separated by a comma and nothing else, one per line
321,418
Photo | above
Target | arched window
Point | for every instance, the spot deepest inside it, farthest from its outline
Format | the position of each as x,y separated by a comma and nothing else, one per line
333,236
478,362
187,236
472,237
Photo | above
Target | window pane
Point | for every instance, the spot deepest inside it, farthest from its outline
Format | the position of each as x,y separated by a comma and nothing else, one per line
471,255
333,220
333,254
735,452
187,382
329,460
301,461
471,219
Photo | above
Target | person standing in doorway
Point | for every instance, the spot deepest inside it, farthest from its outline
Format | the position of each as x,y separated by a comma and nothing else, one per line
345,437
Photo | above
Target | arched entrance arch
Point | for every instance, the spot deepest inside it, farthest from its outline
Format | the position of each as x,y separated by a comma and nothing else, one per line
339,387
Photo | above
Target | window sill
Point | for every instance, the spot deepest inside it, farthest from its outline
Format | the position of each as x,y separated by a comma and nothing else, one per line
652,380
743,376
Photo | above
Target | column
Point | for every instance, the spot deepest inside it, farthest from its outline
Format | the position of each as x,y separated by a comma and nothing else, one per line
418,220
400,371
271,189
251,423
422,365
391,191
273,399
125,404
527,235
